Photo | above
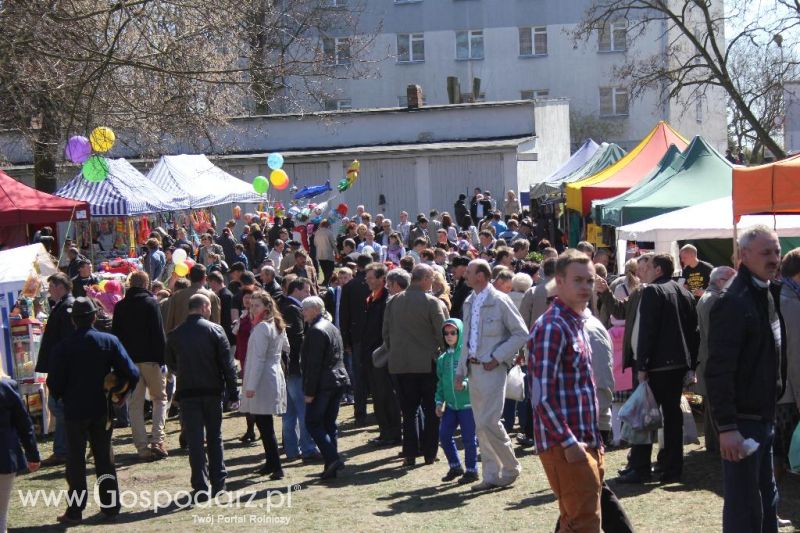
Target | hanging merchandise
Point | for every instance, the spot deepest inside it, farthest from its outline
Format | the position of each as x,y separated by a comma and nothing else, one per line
144,230
131,239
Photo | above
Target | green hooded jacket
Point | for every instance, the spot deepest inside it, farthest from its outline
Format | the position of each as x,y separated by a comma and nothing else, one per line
446,366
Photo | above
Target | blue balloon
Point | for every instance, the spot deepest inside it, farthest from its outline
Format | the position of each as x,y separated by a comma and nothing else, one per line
275,161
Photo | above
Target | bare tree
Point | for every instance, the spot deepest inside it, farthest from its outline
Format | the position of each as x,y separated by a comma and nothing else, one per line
584,126
696,55
163,69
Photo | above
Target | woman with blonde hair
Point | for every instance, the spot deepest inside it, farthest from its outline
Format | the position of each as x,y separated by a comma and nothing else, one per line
510,205
264,383
624,289
441,289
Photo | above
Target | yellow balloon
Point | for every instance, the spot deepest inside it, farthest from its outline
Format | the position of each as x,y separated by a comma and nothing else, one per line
102,284
102,139
278,177
182,269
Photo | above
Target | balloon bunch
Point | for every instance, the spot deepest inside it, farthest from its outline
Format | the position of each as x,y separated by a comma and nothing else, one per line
278,177
182,262
79,151
352,176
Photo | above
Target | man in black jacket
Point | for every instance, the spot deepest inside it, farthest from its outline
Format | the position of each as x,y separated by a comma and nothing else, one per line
745,376
460,290
137,324
353,312
59,327
385,402
324,381
666,356
199,354
294,420
460,210
78,376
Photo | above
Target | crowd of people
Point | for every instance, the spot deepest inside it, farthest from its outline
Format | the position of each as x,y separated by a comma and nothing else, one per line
435,320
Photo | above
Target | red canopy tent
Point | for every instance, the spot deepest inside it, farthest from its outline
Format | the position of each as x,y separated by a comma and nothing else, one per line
21,205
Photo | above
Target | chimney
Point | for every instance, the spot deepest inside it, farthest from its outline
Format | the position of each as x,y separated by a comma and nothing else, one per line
453,90
414,96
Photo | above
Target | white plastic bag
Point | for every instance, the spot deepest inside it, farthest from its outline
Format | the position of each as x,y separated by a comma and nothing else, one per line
641,410
515,384
689,426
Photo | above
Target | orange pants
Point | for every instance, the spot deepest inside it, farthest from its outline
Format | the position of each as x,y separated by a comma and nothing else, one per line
577,487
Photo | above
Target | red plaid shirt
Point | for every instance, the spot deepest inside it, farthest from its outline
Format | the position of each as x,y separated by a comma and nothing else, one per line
562,387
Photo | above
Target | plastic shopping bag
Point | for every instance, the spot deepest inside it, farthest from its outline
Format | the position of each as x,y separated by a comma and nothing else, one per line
794,451
641,410
515,384
636,436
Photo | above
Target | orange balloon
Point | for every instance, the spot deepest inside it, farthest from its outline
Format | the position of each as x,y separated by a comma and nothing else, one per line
282,185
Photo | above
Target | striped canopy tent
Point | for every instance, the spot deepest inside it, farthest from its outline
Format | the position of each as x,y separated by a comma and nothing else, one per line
627,172
124,192
552,183
608,212
200,181
604,157
704,175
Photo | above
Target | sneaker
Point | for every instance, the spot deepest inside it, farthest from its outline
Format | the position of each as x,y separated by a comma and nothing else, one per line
453,473
159,450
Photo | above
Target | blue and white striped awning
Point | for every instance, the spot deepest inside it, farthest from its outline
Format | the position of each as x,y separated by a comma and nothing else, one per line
125,192
200,181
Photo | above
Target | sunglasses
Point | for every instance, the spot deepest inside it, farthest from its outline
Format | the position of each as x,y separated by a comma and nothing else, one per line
451,334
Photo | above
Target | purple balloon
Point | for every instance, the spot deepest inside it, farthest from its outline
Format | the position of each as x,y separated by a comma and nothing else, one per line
78,149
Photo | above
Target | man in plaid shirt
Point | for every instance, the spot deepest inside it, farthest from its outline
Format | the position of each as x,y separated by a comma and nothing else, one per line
565,418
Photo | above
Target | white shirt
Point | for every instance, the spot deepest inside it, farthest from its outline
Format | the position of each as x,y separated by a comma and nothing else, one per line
475,321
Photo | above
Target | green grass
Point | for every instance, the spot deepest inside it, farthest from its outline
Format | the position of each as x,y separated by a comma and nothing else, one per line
374,492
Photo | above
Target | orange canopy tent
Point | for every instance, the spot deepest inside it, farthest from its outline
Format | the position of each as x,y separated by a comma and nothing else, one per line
767,189
626,172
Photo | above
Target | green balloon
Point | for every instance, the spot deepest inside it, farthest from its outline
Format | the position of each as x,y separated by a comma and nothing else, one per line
95,169
260,184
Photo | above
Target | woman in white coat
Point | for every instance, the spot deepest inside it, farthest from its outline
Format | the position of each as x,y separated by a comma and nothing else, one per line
264,383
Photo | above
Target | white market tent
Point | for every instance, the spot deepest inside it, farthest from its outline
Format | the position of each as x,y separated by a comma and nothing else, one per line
708,220
16,266
200,181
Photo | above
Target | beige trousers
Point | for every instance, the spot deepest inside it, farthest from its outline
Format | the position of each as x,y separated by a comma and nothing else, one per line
154,381
487,393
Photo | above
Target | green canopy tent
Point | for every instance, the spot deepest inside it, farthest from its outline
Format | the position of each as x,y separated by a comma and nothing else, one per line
703,175
608,211
605,156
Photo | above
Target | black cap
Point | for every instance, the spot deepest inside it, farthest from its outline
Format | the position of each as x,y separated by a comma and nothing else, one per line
459,261
82,307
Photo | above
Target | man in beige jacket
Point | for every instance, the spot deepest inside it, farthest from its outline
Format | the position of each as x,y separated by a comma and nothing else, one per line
178,308
493,333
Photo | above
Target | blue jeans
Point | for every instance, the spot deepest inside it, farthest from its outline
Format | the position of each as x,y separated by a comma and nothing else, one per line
348,365
452,418
296,414
509,414
321,422
201,415
56,408
751,496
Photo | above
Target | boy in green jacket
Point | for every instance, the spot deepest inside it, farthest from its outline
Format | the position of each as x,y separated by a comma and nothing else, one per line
453,407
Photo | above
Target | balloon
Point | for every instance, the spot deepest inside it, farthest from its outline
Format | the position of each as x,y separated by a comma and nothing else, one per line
102,139
354,168
189,262
78,149
275,161
282,185
181,269
343,185
95,169
342,209
277,177
102,284
260,184
179,256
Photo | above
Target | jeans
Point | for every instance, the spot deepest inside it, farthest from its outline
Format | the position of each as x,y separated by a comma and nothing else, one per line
418,391
361,369
348,365
6,484
452,418
524,408
296,415
751,495
321,422
199,415
667,387
56,408
509,413
99,438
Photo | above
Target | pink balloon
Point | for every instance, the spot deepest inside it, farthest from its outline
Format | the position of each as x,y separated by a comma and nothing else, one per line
189,262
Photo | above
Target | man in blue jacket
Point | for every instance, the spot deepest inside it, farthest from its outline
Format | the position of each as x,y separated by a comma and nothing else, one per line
79,367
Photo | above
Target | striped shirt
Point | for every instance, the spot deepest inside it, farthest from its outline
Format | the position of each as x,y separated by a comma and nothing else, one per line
562,386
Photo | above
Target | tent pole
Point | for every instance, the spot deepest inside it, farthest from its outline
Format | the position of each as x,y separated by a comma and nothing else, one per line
735,244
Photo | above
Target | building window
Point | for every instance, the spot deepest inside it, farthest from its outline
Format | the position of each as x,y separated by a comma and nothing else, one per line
336,50
341,104
469,44
533,41
613,101
410,47
613,37
533,94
